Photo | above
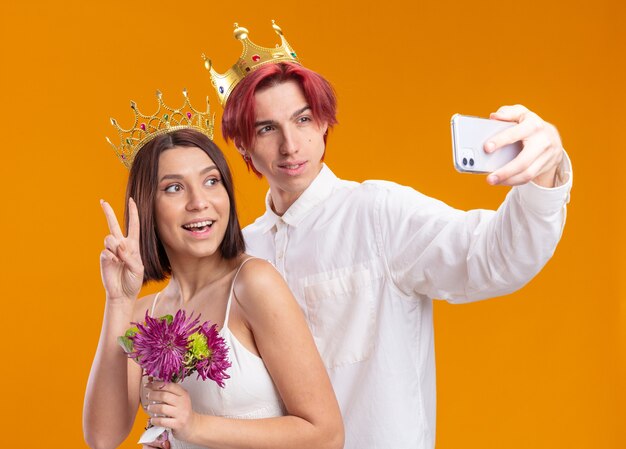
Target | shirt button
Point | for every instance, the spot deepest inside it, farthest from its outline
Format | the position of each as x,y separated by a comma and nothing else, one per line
280,255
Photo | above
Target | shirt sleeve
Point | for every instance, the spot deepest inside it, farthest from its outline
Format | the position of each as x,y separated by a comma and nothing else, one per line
435,250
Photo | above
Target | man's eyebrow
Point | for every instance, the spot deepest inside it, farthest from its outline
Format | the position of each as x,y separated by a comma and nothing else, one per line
173,176
264,123
300,111
273,122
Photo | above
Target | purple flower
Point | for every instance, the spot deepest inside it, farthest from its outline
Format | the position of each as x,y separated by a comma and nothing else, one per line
215,365
161,343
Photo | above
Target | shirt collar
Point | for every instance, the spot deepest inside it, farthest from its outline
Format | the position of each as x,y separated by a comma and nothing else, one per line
319,189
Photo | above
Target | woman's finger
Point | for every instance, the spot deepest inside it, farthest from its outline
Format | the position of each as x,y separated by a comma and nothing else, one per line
132,262
133,220
114,226
161,410
169,423
159,386
158,396
107,256
111,243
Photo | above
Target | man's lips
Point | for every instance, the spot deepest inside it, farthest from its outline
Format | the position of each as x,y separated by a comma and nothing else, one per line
292,167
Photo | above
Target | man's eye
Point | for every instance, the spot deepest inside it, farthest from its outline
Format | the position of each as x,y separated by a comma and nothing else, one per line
173,188
265,129
304,119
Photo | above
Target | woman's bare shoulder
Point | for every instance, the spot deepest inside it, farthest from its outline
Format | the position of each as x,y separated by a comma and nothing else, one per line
258,273
258,281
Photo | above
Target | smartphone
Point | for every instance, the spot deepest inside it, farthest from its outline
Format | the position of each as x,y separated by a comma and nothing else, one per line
469,135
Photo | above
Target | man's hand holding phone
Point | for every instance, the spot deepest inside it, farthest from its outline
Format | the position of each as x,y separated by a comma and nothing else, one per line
542,151
536,160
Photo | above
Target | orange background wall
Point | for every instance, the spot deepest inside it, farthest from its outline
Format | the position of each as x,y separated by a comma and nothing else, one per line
543,368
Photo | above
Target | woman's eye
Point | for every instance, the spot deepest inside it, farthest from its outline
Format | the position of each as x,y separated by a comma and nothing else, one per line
212,181
173,188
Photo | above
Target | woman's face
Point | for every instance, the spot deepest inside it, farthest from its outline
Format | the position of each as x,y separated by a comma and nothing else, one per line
191,204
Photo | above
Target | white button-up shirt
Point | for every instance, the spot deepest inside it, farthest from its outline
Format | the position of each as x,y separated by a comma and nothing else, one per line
365,261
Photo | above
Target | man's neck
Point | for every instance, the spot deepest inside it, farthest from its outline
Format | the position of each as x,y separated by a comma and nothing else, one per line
280,202
281,199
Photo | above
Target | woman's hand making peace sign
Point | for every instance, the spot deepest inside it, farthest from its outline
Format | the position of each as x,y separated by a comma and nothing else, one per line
120,260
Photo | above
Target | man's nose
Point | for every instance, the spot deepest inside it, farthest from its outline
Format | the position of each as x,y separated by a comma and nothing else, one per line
290,143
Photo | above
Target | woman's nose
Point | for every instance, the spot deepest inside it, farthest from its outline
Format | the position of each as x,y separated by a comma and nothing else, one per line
197,200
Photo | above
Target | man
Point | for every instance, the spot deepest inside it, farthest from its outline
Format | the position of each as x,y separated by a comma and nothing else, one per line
366,260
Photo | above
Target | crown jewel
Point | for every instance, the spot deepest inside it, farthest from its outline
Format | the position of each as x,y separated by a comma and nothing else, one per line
164,120
252,57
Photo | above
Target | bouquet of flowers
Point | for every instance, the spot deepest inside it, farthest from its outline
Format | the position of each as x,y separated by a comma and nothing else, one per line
172,348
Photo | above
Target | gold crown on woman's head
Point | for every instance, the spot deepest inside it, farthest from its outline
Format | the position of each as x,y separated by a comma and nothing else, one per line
252,57
147,127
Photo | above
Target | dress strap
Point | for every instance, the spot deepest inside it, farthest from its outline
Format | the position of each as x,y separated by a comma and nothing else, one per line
154,302
232,289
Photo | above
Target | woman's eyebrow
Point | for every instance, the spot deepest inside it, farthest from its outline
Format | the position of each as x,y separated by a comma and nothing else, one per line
175,176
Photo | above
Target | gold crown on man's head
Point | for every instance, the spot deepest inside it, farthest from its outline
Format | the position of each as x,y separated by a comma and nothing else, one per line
252,57
147,127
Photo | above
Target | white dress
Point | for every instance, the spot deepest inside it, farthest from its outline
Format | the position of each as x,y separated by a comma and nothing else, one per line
249,393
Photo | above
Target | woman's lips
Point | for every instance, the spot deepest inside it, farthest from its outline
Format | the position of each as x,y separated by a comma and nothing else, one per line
199,228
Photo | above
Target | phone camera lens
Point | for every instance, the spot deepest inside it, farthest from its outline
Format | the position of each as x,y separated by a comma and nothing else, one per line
471,161
464,161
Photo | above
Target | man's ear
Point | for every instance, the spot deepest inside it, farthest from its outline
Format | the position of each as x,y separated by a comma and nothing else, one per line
324,128
244,153
240,148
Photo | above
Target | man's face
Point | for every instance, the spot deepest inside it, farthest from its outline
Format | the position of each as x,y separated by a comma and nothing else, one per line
288,144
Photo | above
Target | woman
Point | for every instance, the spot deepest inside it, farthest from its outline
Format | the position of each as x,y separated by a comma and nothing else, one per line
183,225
